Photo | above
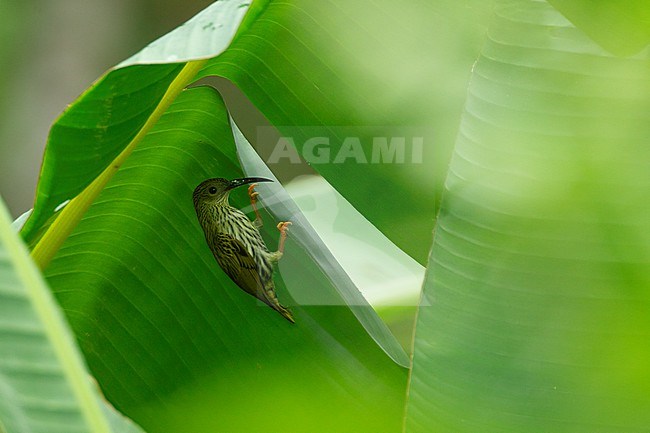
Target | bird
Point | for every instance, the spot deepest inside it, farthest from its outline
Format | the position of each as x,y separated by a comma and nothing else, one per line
235,240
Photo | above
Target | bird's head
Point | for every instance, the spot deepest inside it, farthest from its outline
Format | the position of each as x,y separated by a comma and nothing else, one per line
215,191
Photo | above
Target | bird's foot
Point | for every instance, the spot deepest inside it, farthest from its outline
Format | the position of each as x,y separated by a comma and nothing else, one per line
284,228
252,193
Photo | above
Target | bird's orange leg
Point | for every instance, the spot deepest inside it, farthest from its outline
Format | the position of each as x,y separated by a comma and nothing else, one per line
284,228
252,194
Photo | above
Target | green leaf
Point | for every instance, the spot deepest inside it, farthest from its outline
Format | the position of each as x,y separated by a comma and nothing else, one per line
536,309
621,27
204,36
365,70
93,131
44,386
115,110
313,69
168,334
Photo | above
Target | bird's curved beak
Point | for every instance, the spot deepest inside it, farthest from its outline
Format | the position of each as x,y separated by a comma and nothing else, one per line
244,181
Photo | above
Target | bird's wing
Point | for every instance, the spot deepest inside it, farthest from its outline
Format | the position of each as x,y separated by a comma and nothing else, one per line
238,264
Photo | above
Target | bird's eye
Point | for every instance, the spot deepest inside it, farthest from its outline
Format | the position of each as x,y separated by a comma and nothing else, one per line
212,190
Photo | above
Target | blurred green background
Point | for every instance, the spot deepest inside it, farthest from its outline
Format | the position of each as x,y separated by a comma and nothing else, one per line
50,52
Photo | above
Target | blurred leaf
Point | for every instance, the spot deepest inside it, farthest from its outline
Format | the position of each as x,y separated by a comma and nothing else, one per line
536,312
621,27
118,422
44,386
167,333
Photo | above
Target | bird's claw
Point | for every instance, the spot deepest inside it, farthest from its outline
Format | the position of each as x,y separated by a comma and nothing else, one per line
252,193
284,228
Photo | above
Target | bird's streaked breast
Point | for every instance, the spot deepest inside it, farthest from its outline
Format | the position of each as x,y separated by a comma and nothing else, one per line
234,222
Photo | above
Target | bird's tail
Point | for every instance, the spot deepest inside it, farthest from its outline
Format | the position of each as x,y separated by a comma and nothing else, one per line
286,313
273,302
